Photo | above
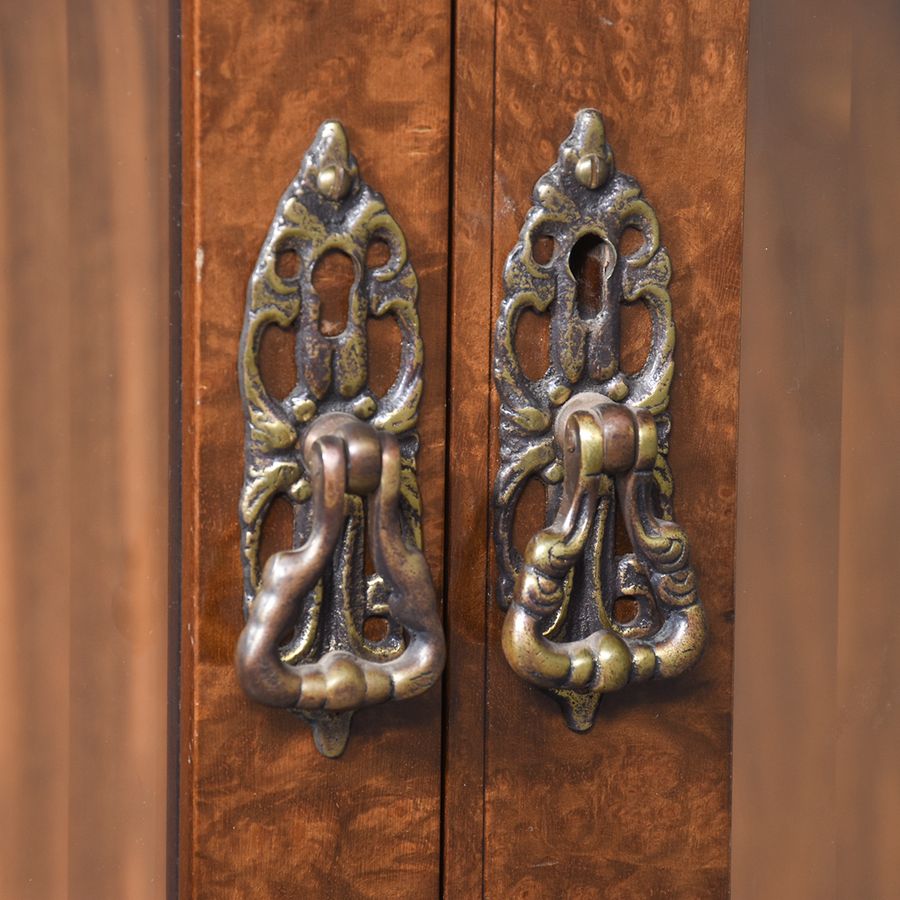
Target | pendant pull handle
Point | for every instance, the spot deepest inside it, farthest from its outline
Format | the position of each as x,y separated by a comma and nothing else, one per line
344,457
605,446
586,615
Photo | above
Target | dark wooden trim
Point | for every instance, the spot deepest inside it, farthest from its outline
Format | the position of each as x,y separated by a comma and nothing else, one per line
468,474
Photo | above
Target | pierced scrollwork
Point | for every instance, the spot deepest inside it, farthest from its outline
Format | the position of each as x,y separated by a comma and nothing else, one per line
563,630
326,208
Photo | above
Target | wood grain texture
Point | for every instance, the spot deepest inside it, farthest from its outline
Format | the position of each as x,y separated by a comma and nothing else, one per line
641,805
468,477
85,381
263,814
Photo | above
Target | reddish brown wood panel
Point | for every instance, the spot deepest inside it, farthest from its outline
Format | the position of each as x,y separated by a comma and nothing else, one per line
468,481
640,806
263,814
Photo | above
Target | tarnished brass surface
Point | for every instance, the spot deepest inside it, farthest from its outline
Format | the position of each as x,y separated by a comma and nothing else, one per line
597,438
334,448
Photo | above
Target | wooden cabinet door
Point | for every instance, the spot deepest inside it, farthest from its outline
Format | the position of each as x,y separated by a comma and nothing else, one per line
263,814
640,805
454,111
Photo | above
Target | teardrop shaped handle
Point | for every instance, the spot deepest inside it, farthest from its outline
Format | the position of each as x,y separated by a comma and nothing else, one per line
344,455
602,440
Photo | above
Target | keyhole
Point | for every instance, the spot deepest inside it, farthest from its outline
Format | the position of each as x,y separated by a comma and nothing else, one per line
591,263
333,279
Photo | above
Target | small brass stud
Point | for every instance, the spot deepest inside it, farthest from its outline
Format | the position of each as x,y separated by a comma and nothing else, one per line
364,408
303,410
559,393
333,182
591,170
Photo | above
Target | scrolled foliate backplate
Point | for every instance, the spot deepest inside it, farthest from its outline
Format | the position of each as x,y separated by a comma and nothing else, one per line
583,207
328,207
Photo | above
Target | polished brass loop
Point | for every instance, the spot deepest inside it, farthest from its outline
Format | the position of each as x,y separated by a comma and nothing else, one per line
343,456
597,437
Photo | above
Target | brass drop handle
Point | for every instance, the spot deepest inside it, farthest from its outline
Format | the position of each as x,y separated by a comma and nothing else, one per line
324,634
585,614
602,440
344,455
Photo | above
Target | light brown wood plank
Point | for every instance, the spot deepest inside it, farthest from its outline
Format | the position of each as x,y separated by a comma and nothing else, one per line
868,666
34,593
118,217
640,806
792,332
263,814
816,728
85,223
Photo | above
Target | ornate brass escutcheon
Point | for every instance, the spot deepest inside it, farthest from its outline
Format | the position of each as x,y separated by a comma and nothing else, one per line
344,458
581,618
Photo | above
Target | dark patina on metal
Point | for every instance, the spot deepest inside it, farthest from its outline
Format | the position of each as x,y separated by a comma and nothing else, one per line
597,438
345,459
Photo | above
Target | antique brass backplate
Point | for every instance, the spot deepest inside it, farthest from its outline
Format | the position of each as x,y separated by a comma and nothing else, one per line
343,457
582,618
